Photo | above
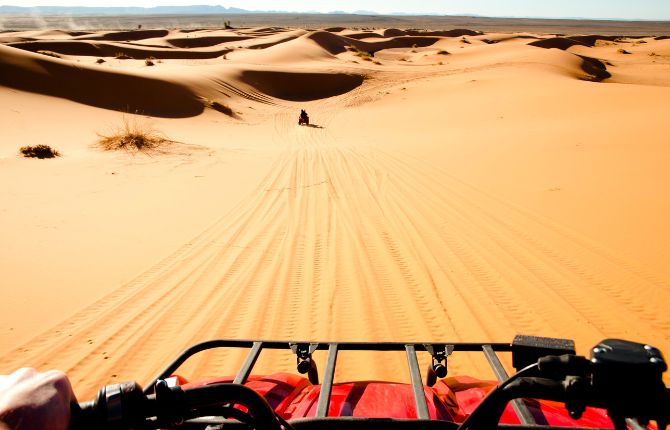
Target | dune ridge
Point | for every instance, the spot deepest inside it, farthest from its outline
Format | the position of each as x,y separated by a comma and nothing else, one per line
101,49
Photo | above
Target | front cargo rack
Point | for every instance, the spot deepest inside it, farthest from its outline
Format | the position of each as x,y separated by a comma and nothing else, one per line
524,349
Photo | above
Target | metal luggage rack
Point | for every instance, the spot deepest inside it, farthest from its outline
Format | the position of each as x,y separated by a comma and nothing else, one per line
525,350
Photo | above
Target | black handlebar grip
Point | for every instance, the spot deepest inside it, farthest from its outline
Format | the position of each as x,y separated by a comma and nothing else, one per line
82,416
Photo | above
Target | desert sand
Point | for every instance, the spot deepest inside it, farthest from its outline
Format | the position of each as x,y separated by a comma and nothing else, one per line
453,186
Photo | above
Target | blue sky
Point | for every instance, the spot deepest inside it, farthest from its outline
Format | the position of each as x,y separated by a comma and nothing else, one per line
599,9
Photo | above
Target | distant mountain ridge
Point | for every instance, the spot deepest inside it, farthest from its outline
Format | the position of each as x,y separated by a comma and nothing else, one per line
86,10
163,10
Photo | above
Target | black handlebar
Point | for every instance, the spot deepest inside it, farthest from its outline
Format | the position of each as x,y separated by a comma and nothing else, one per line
624,378
576,394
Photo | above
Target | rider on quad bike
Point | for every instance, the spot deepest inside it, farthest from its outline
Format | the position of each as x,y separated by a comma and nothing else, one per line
304,118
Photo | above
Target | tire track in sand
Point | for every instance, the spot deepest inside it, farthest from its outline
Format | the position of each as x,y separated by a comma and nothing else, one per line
346,242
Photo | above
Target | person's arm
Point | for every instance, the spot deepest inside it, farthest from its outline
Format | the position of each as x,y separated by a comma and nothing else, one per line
35,401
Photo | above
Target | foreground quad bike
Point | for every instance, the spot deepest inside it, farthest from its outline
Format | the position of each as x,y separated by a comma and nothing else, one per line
303,120
619,387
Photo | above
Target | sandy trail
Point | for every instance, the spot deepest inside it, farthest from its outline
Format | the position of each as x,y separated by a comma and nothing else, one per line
348,242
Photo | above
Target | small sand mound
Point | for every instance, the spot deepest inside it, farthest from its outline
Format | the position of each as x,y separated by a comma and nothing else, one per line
301,86
335,29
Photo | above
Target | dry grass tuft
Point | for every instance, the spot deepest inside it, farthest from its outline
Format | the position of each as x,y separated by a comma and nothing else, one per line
39,151
622,51
122,56
133,136
149,61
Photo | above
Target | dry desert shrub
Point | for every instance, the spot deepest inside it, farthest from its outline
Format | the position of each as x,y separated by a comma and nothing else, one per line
362,54
135,136
149,61
99,61
622,51
221,107
442,52
39,151
122,56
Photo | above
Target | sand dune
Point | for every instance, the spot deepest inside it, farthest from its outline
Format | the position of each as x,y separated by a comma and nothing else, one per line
363,35
205,41
102,49
459,32
396,42
121,91
567,42
130,35
458,186
557,43
335,44
311,48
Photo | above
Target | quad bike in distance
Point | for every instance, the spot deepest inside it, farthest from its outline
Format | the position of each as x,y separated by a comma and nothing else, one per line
303,119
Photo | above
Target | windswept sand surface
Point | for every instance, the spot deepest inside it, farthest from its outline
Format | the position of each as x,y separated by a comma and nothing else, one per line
454,186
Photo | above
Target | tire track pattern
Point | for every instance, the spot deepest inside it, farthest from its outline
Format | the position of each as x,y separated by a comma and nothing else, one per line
346,242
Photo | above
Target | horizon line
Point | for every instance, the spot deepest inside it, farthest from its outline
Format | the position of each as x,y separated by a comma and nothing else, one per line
336,12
